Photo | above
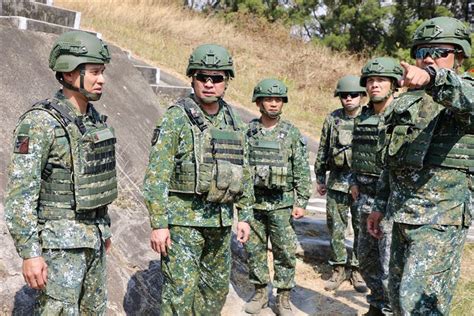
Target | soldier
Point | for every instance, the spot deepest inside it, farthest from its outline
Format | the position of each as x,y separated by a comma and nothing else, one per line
198,168
282,187
335,156
61,179
380,77
428,178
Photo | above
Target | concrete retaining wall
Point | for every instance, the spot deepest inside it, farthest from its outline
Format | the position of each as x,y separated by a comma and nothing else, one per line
41,12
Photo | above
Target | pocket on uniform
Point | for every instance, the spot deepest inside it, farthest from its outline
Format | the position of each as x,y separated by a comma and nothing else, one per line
399,137
65,274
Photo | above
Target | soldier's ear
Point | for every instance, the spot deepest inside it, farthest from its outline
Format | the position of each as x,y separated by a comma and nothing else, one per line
69,77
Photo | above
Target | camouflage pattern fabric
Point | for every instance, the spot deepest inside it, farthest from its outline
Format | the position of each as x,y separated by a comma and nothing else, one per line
299,190
77,282
175,141
339,201
373,254
196,271
40,146
276,225
338,176
374,258
272,212
436,198
338,206
200,230
423,282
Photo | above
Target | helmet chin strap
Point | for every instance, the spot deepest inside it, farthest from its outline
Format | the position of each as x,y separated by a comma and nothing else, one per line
388,95
272,115
89,96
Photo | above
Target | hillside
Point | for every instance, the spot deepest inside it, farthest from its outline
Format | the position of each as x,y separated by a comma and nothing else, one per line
164,33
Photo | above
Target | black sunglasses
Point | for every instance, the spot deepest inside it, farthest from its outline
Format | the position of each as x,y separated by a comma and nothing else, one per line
344,95
434,52
204,78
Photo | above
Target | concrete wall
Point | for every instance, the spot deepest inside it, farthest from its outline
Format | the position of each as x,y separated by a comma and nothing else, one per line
41,12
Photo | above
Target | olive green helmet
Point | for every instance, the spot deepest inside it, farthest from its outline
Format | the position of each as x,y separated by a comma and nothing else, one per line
349,84
210,57
381,67
270,88
74,48
443,30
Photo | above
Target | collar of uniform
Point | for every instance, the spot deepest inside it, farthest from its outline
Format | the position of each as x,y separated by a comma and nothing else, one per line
60,96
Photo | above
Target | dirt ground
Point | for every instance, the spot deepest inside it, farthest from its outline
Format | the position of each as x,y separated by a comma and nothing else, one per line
307,298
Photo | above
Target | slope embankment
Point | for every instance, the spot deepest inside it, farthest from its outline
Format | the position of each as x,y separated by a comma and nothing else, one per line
133,109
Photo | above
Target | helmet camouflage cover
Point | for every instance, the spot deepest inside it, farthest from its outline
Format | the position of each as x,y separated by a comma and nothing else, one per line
74,48
443,30
270,88
381,67
349,84
210,57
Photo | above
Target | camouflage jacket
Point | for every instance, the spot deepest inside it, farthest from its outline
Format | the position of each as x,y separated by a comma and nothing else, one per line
174,141
299,190
432,194
330,146
30,155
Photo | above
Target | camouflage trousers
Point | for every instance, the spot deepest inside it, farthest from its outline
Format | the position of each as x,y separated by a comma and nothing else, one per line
196,272
374,259
277,226
424,268
337,217
76,284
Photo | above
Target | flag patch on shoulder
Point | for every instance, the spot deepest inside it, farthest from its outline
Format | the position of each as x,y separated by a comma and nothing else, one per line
21,144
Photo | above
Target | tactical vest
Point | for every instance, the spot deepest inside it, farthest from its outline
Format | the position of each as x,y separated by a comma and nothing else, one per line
366,144
91,183
341,143
217,167
270,157
452,151
410,130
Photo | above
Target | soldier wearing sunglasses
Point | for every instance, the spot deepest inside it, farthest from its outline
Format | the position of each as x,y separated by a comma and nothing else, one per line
428,171
198,169
380,78
335,156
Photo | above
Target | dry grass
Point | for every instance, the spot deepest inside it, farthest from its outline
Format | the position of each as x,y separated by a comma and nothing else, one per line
463,301
164,33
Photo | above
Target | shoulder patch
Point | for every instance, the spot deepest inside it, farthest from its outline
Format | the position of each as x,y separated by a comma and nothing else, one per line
21,144
22,141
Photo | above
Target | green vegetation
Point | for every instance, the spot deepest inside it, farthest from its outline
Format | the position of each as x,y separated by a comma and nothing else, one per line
164,33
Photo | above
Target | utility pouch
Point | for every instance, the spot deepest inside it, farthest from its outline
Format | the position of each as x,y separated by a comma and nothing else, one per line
262,176
278,177
226,182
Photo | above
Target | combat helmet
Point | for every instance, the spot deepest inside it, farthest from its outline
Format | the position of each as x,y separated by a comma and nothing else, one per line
270,88
73,50
381,67
210,57
443,30
349,84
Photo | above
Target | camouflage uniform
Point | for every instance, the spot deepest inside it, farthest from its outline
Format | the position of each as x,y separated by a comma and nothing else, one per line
273,207
339,199
429,199
197,269
373,253
72,245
